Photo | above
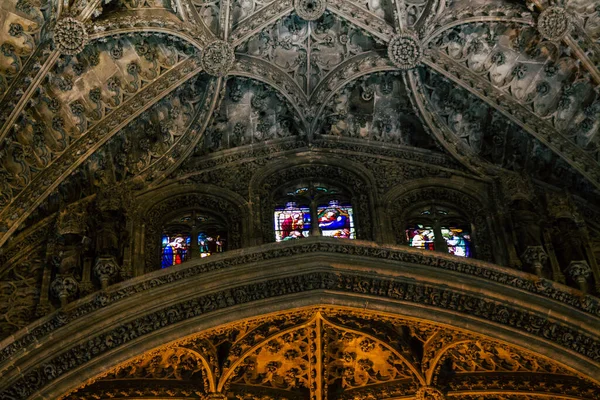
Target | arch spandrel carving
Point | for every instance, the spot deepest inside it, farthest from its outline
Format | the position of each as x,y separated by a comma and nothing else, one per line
336,353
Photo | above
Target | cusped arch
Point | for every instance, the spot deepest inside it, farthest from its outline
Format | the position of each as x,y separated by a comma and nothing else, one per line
165,306
401,200
354,178
157,206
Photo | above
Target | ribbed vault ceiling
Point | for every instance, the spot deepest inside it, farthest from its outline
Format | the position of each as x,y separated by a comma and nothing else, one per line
95,93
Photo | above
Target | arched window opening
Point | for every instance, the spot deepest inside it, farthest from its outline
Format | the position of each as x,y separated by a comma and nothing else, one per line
441,229
301,205
192,235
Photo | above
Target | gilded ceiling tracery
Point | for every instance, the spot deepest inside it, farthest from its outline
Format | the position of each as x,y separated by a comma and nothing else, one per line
100,92
337,354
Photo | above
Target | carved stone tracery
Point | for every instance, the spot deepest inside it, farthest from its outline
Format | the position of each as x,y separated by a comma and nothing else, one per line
321,353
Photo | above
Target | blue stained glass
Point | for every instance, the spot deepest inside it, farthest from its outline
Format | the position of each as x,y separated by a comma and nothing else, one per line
336,220
174,250
291,222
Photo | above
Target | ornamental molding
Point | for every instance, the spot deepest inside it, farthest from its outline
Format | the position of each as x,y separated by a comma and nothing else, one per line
217,58
404,50
554,23
310,10
41,186
70,36
487,272
410,291
516,112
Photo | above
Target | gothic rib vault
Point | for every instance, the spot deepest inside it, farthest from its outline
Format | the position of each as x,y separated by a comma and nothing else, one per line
137,108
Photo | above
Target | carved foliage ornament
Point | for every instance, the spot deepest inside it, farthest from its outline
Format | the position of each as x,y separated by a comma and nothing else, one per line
70,36
553,23
218,58
404,50
429,393
310,10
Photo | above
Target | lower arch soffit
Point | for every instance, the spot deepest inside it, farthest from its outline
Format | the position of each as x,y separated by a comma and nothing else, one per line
325,352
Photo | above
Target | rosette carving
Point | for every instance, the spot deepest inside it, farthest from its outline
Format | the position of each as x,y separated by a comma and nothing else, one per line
310,10
217,58
404,50
554,23
70,36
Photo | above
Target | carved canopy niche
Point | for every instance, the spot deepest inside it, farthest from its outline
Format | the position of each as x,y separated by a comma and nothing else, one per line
335,353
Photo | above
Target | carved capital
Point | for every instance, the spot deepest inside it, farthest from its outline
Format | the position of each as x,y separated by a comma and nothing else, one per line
429,393
579,271
536,257
64,287
106,268
217,58
310,10
554,23
70,36
404,50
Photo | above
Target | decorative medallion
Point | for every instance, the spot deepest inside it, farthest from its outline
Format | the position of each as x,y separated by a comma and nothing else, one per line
218,58
70,36
405,51
553,23
429,393
310,10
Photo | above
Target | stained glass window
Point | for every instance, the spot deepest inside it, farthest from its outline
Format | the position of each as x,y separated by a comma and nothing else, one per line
177,246
210,244
291,222
336,220
421,236
174,249
313,201
457,238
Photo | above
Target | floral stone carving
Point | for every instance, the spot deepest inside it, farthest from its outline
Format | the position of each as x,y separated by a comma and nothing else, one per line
310,10
70,36
404,50
429,393
553,23
218,58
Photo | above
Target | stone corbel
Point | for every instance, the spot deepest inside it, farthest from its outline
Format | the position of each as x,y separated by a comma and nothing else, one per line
580,272
536,257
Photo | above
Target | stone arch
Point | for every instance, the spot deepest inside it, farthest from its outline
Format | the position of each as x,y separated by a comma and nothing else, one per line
167,305
400,201
155,207
352,177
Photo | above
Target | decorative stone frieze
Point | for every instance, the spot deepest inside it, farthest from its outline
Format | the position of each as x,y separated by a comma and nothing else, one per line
70,36
310,10
554,23
217,58
404,50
